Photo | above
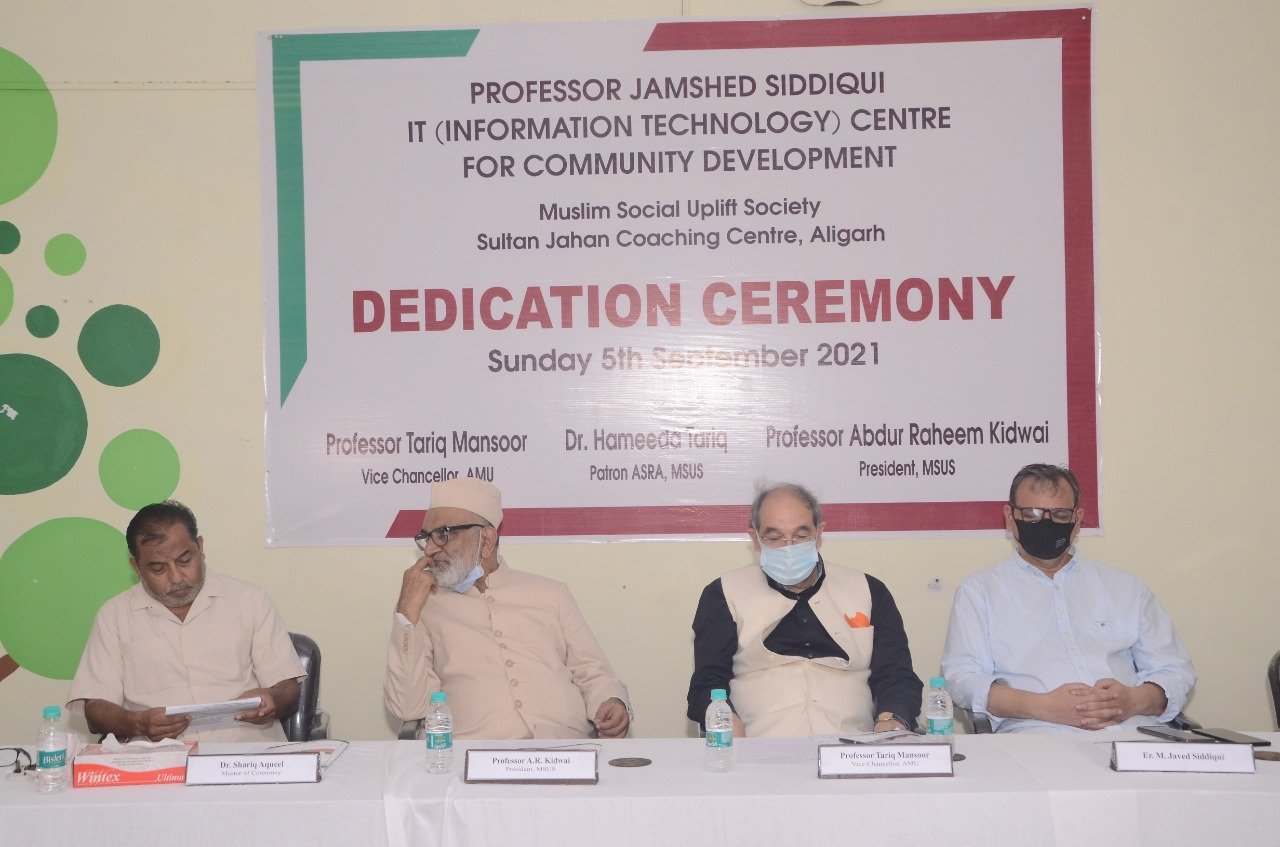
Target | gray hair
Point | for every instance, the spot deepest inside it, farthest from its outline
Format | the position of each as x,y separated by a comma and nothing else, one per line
1045,476
804,495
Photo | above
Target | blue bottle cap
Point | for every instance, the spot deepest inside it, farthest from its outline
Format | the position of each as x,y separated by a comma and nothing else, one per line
719,694
937,682
53,713
437,697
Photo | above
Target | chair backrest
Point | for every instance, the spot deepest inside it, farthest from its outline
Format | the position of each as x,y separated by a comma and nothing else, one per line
1273,677
297,726
974,723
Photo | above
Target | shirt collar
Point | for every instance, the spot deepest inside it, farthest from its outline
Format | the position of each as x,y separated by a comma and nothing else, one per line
803,595
494,578
1028,568
214,586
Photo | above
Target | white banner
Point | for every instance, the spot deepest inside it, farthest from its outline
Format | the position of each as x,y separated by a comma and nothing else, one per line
626,270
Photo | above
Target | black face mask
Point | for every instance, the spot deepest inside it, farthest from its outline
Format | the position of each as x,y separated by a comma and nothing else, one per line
1044,539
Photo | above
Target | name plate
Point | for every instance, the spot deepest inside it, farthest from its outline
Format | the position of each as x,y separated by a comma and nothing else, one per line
859,761
557,767
252,768
1181,757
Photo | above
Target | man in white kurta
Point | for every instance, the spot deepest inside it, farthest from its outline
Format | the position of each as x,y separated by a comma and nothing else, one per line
510,649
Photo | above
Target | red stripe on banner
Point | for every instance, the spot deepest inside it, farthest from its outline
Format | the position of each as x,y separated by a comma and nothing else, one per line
406,524
1077,198
851,32
697,520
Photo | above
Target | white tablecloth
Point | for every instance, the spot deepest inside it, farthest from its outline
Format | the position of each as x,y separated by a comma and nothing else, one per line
1092,804
344,809
1020,790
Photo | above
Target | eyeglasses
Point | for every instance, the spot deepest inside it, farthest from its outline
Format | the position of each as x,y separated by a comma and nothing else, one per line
777,539
1034,514
440,535
11,757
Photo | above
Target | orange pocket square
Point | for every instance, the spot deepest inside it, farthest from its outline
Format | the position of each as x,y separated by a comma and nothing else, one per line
858,621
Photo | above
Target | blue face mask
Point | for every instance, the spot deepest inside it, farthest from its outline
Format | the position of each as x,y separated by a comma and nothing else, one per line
468,580
791,564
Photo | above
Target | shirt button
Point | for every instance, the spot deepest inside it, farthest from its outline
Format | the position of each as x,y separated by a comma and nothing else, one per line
804,620
510,663
519,704
497,633
490,599
514,683
503,646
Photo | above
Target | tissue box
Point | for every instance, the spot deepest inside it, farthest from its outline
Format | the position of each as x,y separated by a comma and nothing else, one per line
94,767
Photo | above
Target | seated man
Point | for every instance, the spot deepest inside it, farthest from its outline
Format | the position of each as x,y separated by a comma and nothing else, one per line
183,636
802,646
510,649
1048,639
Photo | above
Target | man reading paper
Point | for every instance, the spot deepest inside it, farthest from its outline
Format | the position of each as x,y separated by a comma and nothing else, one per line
182,636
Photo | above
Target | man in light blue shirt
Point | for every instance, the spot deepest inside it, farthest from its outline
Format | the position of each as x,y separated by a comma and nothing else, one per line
1048,640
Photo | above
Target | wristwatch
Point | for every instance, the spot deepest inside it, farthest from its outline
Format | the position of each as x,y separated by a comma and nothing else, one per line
890,716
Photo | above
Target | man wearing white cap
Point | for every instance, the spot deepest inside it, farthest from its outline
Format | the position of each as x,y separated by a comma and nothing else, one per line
511,649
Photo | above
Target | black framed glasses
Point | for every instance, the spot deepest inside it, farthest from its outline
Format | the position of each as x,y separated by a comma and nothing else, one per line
12,758
440,535
1035,514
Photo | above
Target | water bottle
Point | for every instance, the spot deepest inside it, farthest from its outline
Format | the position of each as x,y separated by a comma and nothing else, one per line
719,725
939,717
439,735
51,753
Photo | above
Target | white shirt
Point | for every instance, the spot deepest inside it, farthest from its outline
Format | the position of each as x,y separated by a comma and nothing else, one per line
1012,623
140,655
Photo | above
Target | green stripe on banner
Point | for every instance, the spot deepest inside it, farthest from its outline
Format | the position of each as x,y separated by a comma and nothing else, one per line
287,53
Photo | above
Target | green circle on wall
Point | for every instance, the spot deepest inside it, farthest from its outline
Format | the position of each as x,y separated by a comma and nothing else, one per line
10,238
42,423
64,254
6,295
28,126
42,321
119,345
139,467
53,579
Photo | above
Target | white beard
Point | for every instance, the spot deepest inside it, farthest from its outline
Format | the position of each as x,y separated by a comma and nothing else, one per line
453,574
456,570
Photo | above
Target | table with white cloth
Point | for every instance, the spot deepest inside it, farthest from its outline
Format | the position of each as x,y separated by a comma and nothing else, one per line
344,808
1022,789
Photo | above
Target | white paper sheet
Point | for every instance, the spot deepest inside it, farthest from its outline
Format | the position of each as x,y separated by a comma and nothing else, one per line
214,715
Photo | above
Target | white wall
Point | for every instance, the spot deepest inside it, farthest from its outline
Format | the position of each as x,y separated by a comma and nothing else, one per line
157,171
